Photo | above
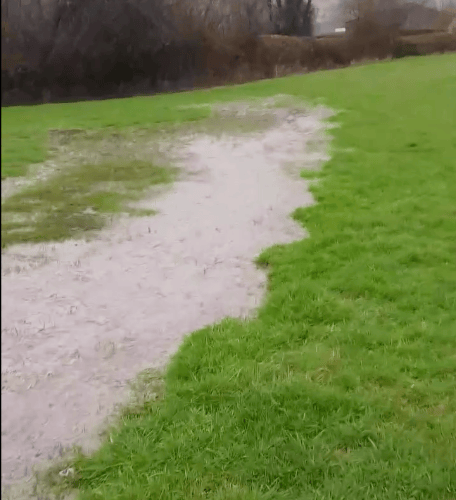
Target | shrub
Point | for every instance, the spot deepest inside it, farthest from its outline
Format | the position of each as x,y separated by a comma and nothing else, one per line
405,49
431,42
371,40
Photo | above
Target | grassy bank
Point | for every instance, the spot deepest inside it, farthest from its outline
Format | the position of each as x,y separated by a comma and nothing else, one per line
344,387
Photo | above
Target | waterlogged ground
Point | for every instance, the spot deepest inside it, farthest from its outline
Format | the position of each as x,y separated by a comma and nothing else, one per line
81,318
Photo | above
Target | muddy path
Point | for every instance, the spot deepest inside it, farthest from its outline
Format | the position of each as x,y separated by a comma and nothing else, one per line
80,319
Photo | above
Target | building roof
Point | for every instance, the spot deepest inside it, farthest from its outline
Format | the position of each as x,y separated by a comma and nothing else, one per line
414,17
445,19
420,17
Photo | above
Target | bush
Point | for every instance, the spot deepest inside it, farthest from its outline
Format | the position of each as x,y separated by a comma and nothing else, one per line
104,43
370,40
100,48
404,50
103,46
430,43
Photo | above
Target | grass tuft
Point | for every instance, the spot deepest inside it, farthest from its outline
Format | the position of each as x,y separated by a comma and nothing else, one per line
77,200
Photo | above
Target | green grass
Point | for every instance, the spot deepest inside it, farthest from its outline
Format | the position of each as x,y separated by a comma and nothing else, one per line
97,175
63,207
25,128
344,386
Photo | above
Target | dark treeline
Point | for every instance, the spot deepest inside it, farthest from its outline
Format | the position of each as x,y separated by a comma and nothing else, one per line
65,49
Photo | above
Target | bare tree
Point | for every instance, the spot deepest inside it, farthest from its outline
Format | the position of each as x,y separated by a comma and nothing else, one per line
292,17
356,9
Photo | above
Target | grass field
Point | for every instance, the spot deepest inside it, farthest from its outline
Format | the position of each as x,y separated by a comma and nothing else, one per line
344,386
99,177
25,128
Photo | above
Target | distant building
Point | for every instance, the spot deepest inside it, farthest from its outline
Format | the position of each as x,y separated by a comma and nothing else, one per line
452,27
412,18
446,21
324,29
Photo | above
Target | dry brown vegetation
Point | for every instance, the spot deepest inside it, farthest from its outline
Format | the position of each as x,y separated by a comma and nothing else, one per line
430,43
